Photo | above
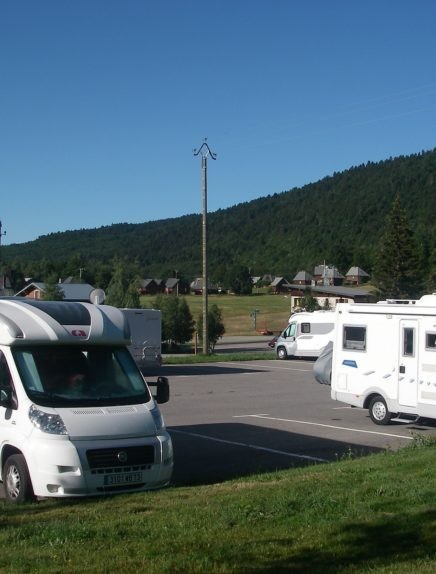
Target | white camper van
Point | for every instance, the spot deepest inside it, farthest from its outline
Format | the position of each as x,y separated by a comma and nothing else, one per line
76,416
146,336
384,358
306,334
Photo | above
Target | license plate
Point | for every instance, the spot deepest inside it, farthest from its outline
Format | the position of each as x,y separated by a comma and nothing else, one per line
127,478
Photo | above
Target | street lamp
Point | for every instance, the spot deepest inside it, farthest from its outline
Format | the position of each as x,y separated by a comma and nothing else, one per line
205,152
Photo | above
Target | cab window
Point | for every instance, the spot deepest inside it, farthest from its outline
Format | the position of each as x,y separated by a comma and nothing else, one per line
6,385
290,330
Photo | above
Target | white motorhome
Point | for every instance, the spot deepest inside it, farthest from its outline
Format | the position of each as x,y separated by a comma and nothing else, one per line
76,416
384,358
306,334
146,336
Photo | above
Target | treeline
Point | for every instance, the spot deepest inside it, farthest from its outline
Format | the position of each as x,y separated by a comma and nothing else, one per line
339,220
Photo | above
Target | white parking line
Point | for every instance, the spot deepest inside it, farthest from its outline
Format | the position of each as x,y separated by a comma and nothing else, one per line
246,445
267,417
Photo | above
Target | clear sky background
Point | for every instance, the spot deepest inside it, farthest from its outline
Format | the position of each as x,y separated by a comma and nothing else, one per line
103,101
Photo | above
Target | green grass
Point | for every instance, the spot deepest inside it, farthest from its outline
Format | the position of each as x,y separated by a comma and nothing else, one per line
274,311
189,359
374,514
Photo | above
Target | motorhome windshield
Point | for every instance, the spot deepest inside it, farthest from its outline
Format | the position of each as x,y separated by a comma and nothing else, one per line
71,376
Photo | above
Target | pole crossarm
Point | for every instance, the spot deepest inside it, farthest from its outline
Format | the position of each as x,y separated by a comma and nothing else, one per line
205,151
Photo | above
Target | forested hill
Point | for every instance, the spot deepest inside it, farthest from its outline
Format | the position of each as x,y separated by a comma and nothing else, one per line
338,219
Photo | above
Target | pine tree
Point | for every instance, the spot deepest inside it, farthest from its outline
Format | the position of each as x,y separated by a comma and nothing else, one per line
397,270
52,291
117,287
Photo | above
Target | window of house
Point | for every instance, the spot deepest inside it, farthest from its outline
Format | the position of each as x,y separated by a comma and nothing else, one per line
354,337
430,341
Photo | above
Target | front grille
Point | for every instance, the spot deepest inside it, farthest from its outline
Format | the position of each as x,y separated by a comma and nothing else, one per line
120,457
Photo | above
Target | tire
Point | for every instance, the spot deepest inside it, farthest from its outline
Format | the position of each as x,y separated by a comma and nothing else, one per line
378,411
16,480
282,354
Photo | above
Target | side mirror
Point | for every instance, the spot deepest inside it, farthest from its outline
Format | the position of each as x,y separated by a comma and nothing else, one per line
8,399
162,390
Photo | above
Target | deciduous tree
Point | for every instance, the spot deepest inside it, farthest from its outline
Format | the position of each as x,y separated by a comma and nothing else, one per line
215,326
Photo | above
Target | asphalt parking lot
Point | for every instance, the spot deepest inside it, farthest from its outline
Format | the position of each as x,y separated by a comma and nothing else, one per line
229,420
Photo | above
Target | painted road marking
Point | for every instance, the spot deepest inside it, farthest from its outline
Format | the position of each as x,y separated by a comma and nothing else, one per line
246,445
268,417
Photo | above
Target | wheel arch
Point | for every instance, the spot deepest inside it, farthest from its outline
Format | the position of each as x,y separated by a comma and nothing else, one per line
370,396
7,451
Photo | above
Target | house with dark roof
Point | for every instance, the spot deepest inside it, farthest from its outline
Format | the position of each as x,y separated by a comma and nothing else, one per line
280,285
327,275
356,276
172,285
196,286
150,286
302,278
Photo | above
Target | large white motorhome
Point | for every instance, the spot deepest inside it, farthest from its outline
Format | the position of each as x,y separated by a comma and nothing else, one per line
76,416
384,358
306,334
146,336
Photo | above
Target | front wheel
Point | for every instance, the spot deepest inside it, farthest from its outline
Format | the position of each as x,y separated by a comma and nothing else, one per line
281,353
378,411
16,480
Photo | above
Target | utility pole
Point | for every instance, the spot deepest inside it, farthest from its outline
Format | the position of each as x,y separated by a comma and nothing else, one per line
1,233
205,152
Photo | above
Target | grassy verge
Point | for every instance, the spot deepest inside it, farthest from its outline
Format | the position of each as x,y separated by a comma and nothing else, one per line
375,514
273,311
218,358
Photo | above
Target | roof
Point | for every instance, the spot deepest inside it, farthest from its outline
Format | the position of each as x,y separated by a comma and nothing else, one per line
349,292
356,272
198,284
59,322
326,271
71,291
171,282
303,276
279,281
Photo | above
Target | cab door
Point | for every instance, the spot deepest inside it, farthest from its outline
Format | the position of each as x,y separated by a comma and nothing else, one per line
408,363
290,334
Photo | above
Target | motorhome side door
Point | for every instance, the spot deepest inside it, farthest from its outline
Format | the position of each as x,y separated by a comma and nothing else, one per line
408,363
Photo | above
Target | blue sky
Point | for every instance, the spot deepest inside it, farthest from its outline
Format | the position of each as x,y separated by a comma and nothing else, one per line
103,101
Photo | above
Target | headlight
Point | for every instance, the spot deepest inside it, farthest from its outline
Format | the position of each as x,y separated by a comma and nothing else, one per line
157,418
47,422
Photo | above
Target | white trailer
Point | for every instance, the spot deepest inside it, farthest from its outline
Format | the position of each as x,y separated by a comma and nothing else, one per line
306,334
145,336
76,416
384,358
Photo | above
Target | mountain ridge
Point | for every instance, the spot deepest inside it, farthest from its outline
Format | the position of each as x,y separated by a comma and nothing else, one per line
339,219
